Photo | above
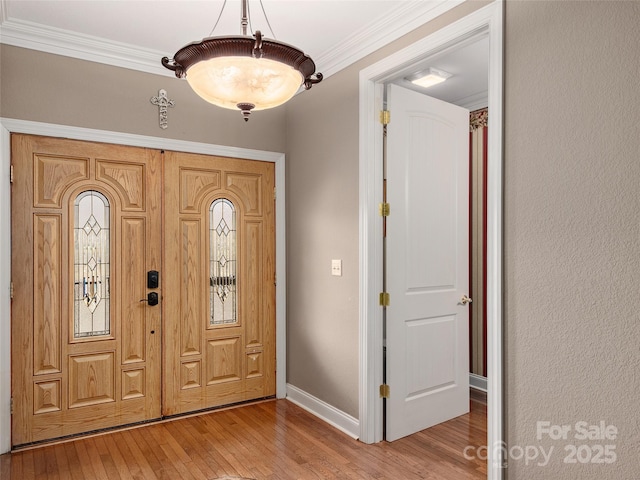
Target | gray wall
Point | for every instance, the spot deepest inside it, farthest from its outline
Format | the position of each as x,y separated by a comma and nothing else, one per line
54,89
572,228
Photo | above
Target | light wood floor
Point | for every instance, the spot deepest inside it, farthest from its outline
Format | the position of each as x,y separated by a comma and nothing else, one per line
270,440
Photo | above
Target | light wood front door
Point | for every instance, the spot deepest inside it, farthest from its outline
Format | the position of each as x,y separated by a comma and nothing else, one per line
86,229
219,303
89,221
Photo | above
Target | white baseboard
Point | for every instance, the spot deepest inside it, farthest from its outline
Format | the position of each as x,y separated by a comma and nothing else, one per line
337,418
478,382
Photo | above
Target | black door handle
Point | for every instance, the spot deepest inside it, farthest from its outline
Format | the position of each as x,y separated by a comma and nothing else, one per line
152,299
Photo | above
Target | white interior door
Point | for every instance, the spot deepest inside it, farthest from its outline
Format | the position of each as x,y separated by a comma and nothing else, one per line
427,323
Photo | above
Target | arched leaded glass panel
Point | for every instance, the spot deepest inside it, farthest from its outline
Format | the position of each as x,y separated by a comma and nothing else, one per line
223,262
91,265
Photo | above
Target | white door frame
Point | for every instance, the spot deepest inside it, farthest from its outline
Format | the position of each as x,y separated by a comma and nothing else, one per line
489,20
8,126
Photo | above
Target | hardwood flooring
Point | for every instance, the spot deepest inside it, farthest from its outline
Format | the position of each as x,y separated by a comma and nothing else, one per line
274,440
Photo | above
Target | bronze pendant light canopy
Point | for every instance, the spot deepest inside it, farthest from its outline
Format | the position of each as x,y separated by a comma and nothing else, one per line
244,72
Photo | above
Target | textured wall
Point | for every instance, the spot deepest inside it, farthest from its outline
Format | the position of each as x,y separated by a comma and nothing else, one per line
572,230
54,89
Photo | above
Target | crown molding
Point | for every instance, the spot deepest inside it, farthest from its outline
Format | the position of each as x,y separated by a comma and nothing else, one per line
473,102
371,37
34,36
361,43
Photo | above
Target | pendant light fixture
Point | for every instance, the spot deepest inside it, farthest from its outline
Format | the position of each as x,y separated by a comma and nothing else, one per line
244,72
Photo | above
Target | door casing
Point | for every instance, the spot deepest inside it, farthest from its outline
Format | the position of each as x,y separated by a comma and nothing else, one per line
487,20
8,126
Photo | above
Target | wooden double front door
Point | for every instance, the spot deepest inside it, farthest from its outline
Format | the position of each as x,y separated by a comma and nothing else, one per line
99,339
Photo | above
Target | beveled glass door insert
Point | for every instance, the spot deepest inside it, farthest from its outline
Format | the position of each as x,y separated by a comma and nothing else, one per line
223,262
91,265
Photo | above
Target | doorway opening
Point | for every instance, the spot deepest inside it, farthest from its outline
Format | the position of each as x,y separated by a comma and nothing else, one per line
487,21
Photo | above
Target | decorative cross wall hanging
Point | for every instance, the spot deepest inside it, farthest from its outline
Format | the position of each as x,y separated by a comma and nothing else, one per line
163,103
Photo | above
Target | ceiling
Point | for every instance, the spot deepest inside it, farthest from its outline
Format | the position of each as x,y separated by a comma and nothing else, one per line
137,33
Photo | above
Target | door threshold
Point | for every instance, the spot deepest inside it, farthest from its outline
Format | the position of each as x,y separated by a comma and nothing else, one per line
131,426
229,406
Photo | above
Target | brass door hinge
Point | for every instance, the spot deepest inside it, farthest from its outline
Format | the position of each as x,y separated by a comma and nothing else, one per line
11,174
385,117
274,193
11,406
384,299
384,209
385,391
11,290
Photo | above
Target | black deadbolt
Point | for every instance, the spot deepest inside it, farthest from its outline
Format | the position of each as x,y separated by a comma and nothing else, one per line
153,279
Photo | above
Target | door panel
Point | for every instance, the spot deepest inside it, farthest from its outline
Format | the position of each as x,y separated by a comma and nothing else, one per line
211,362
47,306
426,262
85,354
133,344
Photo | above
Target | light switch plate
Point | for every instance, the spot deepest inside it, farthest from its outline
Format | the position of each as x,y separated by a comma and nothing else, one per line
336,268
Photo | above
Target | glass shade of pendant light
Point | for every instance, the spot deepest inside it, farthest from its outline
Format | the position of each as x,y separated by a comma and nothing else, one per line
244,72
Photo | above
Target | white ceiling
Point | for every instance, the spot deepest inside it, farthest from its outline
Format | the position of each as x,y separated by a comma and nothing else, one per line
467,62
138,33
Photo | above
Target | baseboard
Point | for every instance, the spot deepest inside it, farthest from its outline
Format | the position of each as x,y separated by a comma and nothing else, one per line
478,382
337,418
